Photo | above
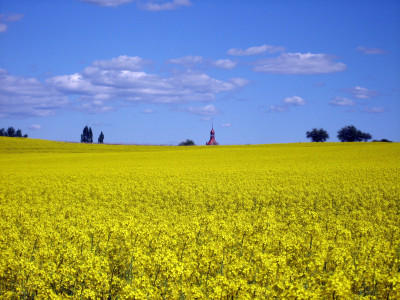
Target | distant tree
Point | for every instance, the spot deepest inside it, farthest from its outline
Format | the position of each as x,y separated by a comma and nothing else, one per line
11,132
87,135
3,132
187,143
25,135
84,135
101,138
365,136
352,134
90,135
383,141
317,135
18,133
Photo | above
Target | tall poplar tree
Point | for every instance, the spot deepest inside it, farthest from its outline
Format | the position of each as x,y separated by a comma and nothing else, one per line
87,135
101,138
90,136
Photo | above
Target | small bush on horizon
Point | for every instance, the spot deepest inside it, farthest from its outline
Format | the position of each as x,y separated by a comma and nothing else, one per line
188,142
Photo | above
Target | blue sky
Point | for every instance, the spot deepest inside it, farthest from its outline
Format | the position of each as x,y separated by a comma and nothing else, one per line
158,72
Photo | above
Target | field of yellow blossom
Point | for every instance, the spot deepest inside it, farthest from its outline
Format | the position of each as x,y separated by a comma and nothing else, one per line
285,221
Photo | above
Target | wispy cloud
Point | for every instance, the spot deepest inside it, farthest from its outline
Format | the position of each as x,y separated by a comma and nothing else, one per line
13,17
224,64
278,108
35,127
299,63
148,5
361,92
255,50
122,62
3,27
226,125
107,3
149,111
191,61
188,61
4,19
340,101
287,102
95,107
294,101
374,110
206,119
366,50
101,124
207,110
164,5
239,82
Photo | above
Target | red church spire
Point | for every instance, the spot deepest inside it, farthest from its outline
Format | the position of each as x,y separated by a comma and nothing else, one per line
212,140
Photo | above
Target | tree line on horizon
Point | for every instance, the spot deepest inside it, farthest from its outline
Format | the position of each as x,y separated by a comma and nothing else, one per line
11,132
347,134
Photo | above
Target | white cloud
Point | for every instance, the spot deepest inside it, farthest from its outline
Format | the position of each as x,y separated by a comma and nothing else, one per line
375,110
340,101
74,84
108,3
149,111
226,125
299,63
224,63
191,61
21,97
204,110
137,86
294,101
122,62
255,50
361,92
366,50
35,127
203,83
105,84
165,5
287,102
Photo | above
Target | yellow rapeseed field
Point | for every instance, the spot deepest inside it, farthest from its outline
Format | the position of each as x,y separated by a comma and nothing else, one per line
305,221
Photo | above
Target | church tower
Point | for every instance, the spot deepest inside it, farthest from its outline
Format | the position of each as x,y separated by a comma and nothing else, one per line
212,140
